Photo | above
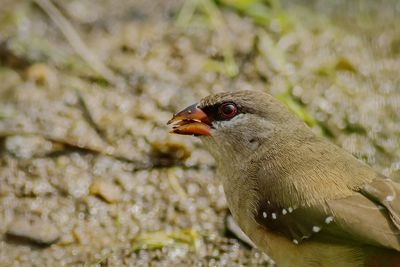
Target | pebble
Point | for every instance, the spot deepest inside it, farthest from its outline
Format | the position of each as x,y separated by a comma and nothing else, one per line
106,191
33,229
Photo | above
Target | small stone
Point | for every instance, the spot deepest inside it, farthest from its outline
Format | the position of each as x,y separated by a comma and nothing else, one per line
42,74
169,153
33,229
107,191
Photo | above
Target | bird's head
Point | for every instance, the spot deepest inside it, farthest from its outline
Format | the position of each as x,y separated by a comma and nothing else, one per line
235,124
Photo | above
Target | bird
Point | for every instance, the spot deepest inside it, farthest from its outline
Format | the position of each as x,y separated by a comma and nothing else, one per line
300,198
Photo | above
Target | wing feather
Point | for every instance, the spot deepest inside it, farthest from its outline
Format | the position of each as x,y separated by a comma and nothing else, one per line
386,192
368,217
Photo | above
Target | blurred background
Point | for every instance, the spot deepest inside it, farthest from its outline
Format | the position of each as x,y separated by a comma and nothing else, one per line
90,176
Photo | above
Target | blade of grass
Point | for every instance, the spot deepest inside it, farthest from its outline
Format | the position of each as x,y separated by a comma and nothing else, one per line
75,40
220,27
186,13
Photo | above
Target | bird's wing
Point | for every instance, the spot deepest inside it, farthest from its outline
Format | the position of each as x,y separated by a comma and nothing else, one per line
386,193
367,217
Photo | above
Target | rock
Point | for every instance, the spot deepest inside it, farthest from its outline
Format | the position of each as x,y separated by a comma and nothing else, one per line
105,190
34,230
42,74
169,153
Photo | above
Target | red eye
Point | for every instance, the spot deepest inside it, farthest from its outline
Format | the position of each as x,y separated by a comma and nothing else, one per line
227,110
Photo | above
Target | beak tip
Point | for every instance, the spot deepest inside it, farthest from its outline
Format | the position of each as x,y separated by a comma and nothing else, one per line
190,121
174,119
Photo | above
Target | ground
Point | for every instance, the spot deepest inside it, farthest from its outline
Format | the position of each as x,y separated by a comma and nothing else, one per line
89,173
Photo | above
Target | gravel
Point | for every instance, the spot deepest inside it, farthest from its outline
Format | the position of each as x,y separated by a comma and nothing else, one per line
89,174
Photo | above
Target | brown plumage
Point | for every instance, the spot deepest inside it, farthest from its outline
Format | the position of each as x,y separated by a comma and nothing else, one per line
301,199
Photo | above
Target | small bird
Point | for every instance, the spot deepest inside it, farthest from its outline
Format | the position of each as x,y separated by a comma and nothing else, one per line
301,199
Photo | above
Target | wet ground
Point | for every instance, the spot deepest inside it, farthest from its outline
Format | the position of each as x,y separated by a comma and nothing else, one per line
89,174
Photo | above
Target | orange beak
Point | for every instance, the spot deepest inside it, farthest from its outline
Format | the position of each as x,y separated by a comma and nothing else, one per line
191,121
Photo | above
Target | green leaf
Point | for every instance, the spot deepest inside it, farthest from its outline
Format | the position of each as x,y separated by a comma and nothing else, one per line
157,240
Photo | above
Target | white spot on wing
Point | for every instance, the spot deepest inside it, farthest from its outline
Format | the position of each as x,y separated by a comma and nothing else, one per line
389,198
295,241
316,229
264,214
273,215
329,219
290,209
284,211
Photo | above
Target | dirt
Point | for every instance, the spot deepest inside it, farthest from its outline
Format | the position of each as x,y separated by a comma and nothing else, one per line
84,146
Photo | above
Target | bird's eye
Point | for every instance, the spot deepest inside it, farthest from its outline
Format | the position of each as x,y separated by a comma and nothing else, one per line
227,110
